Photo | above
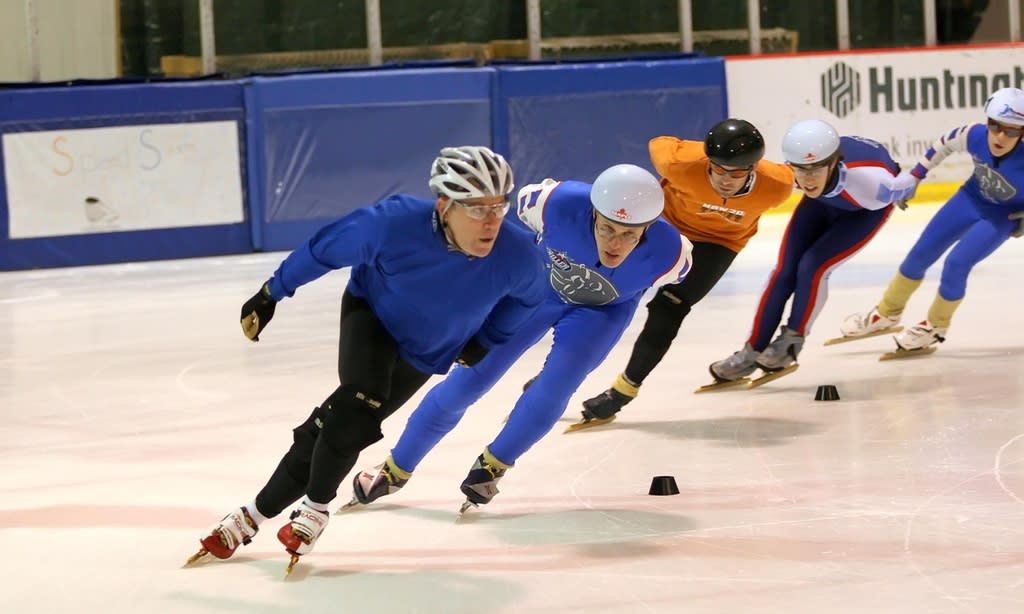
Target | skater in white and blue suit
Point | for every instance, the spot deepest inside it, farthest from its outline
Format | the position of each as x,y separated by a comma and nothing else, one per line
849,185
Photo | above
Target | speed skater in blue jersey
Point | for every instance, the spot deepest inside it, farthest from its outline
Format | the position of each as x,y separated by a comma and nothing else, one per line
606,245
849,185
987,210
432,282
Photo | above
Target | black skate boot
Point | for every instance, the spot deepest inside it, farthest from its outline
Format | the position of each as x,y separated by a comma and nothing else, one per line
602,408
481,484
605,405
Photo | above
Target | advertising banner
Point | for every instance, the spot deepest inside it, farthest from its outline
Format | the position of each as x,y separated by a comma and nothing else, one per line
904,99
83,181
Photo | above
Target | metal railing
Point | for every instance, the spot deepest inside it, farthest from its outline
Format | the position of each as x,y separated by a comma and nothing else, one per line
535,44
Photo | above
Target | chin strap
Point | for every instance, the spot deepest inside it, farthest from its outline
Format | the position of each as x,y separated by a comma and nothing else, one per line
452,244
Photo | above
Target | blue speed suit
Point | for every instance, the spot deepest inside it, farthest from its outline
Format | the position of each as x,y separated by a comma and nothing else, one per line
976,218
588,306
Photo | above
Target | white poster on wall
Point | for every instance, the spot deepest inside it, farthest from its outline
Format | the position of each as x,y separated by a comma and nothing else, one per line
67,182
903,99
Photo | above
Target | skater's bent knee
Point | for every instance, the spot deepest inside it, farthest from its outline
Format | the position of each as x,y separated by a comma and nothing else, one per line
351,422
306,433
669,304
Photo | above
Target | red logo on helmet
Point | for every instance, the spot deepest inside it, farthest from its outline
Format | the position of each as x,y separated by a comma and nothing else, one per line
809,156
621,214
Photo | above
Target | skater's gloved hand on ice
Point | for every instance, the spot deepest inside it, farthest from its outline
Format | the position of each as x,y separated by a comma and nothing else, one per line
1019,216
257,312
472,353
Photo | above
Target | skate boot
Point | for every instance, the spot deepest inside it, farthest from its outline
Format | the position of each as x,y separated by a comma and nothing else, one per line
300,535
865,325
234,530
918,340
781,352
733,370
481,484
779,358
369,485
602,408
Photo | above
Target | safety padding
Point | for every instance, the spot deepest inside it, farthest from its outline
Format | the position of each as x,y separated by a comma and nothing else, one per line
102,173
324,145
571,121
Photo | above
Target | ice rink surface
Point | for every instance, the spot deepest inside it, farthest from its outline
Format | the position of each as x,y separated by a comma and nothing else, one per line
134,414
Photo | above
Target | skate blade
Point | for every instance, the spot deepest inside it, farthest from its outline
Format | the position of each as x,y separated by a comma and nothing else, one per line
196,557
901,354
772,376
344,508
587,424
848,338
466,506
291,565
723,385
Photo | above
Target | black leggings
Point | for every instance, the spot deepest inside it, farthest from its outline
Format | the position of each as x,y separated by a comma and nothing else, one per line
665,312
375,382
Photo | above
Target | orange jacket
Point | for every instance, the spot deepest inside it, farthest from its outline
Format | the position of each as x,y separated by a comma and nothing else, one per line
697,211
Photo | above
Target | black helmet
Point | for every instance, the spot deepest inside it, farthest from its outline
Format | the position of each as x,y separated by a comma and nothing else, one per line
735,143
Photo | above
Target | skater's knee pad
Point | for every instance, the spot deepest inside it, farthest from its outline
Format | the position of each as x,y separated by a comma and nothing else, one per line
296,461
665,313
304,436
351,421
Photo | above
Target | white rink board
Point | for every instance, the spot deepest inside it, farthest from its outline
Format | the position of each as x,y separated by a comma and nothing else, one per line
81,181
904,99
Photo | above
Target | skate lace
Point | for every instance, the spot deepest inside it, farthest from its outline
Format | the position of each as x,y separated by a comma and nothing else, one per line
308,523
738,358
391,478
235,529
491,470
922,328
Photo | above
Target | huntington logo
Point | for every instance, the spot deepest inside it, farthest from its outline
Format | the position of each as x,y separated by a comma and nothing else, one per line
840,89
887,91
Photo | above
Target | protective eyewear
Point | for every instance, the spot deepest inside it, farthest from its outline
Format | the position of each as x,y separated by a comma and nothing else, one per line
733,173
480,212
995,128
628,237
807,169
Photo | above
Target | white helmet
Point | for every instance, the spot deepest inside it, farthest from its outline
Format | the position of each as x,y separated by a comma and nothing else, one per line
1006,106
627,194
470,172
809,142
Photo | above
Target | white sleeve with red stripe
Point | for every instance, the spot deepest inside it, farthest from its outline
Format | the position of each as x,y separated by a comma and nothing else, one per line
952,142
681,268
531,201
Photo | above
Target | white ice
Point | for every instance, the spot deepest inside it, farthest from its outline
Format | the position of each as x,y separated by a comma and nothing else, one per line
134,414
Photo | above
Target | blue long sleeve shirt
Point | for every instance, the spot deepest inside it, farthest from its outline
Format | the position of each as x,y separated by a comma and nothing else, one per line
431,298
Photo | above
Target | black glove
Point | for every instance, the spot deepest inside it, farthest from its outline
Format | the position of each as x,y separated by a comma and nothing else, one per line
256,313
471,353
1019,232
